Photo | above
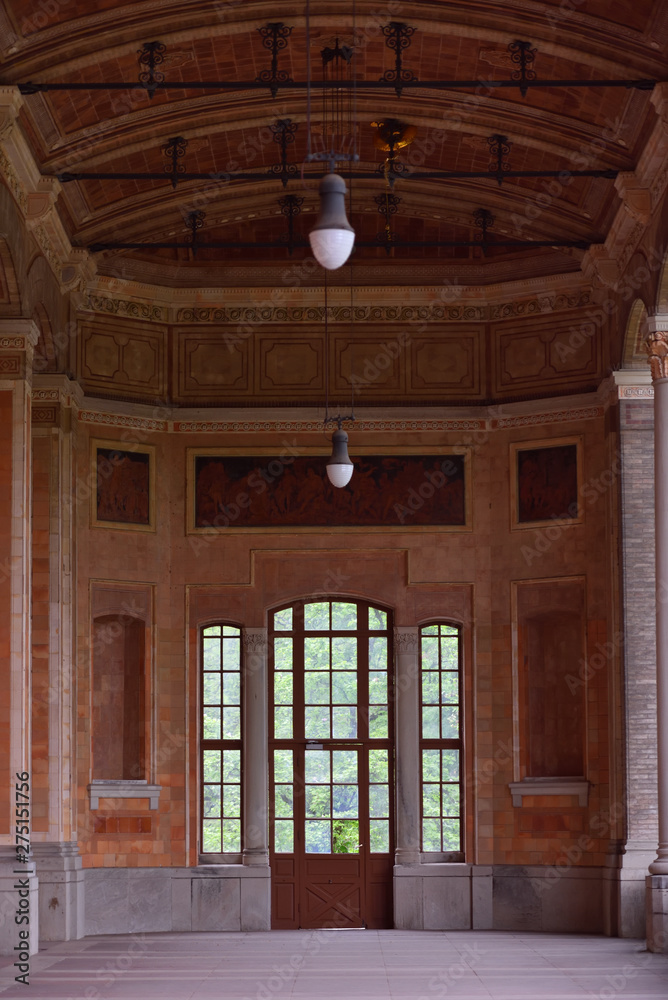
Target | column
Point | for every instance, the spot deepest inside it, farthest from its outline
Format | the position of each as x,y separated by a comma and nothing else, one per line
657,881
55,847
408,910
18,883
255,891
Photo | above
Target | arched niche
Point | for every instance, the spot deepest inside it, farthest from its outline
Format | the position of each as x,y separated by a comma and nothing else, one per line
634,356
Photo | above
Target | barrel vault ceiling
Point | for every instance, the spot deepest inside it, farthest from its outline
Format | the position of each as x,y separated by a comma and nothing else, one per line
471,352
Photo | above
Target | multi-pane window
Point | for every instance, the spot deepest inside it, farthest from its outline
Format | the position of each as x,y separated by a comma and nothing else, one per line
221,740
441,739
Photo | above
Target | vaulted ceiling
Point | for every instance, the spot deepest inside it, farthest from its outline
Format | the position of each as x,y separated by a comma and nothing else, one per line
85,111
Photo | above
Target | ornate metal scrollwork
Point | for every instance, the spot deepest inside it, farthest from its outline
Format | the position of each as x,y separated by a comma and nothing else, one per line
275,38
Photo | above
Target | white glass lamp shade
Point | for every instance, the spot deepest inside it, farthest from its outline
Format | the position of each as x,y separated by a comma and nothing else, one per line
339,466
332,237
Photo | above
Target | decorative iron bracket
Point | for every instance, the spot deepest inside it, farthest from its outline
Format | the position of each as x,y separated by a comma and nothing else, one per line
275,38
483,220
194,223
150,56
499,148
291,205
388,205
174,151
283,131
522,55
398,38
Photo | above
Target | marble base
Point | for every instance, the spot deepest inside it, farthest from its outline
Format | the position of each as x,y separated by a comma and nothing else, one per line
61,891
206,898
656,902
19,922
434,897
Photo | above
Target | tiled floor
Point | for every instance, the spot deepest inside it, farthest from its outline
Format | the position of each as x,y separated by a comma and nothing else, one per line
343,965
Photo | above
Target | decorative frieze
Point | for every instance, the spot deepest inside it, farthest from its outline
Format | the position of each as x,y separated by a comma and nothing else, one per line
406,640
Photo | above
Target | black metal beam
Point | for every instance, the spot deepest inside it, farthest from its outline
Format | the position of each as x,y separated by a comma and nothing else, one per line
34,88
225,177
275,244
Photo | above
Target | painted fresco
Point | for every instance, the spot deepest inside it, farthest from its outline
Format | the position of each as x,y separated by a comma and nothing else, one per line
385,491
123,485
547,483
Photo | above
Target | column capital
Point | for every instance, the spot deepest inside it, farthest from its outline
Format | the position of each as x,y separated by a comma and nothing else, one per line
254,640
656,346
406,639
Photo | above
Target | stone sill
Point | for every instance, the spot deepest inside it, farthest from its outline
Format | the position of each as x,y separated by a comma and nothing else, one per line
549,786
123,789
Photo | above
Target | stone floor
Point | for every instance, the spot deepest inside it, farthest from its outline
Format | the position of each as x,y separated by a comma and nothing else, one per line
342,965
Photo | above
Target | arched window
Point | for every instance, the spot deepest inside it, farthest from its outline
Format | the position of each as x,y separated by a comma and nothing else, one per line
441,740
220,741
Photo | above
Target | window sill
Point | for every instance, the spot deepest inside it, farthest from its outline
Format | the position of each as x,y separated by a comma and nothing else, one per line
123,789
549,786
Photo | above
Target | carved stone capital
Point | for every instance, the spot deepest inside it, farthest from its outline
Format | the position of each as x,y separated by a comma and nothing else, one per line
656,346
254,640
406,640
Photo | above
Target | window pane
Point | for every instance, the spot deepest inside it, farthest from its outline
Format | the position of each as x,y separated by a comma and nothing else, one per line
283,620
316,617
231,723
379,800
317,837
211,689
344,688
211,630
317,722
211,726
451,835
212,800
344,617
231,630
379,836
283,723
431,835
316,653
231,654
431,800
450,800
211,765
211,654
378,724
430,630
450,654
344,722
231,801
344,652
283,653
231,836
449,687
450,765
378,765
430,689
377,653
211,836
346,836
431,765
450,722
429,653
377,620
231,689
344,766
231,765
284,838
316,766
283,688
345,801
282,765
430,726
378,688
283,800
316,688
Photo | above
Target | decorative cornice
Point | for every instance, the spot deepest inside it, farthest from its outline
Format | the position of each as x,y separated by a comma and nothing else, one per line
125,307
406,640
287,426
555,416
123,420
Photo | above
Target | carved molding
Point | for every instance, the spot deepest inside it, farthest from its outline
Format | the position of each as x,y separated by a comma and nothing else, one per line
254,640
123,420
635,392
125,307
283,426
556,416
406,640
